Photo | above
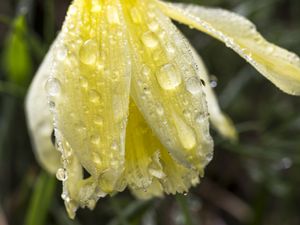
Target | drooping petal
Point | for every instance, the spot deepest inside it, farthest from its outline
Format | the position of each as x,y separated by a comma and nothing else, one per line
220,121
88,92
150,170
277,64
40,121
166,86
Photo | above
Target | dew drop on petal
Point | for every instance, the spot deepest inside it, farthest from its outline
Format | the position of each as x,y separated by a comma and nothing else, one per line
213,81
53,86
62,53
185,133
149,40
193,85
61,174
112,15
168,78
98,120
153,26
96,7
88,52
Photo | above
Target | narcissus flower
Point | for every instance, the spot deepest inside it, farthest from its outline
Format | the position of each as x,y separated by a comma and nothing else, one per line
130,99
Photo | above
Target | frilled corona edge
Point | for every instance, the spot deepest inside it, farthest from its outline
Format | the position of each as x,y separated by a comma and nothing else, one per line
129,98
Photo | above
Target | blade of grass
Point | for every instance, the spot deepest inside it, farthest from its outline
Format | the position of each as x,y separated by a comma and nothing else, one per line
182,202
41,200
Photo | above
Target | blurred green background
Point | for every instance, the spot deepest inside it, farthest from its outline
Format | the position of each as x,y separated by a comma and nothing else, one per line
253,182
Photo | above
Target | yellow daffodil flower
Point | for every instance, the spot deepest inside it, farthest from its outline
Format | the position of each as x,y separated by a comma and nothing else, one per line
130,99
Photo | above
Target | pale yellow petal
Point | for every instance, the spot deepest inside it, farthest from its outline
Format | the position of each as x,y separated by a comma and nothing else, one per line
163,65
219,120
150,169
39,119
277,64
88,90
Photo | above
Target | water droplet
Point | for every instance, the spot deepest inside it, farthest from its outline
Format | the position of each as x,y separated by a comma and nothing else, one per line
61,53
112,15
170,50
51,106
209,156
153,26
159,110
168,78
53,86
94,96
149,40
61,174
135,15
72,10
84,83
98,120
88,52
270,49
118,107
96,7
95,139
200,118
185,133
114,145
193,85
146,71
213,81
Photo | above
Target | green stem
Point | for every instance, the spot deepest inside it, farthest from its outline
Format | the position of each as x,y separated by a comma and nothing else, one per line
182,202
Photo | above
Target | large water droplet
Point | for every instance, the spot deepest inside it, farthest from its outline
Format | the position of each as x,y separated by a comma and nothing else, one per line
193,85
112,15
168,78
61,174
185,133
88,52
149,40
53,86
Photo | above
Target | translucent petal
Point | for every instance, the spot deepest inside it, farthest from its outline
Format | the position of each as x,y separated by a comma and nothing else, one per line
88,91
220,121
162,65
40,120
150,170
277,64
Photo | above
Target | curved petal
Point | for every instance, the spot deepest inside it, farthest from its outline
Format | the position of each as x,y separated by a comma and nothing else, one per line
277,64
88,91
39,119
166,88
150,170
220,121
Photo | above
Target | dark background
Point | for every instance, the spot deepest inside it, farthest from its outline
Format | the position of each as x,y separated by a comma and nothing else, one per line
253,182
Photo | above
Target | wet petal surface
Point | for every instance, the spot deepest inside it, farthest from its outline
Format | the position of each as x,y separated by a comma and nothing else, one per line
277,64
88,90
162,65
